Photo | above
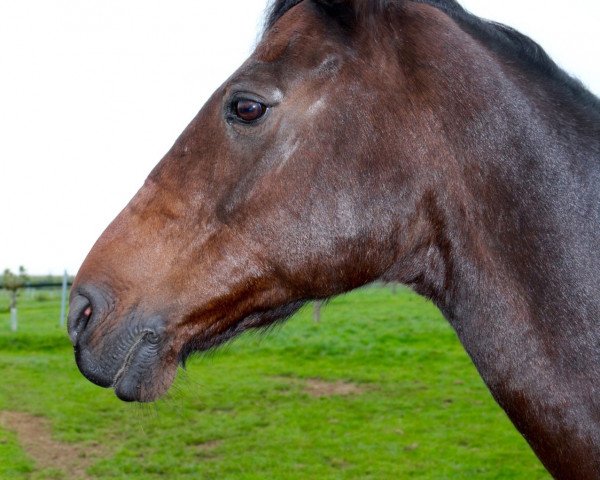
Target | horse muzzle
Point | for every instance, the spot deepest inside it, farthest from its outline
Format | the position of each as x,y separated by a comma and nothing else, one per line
120,351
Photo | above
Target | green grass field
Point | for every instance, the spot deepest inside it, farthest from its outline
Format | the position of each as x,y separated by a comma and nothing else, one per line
380,389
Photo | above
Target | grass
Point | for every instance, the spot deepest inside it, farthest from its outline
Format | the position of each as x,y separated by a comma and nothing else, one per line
244,412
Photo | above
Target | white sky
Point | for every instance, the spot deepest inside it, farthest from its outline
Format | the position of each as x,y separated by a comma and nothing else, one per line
94,92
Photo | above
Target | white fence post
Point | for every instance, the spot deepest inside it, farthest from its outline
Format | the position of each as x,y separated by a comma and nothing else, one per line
317,310
13,319
63,301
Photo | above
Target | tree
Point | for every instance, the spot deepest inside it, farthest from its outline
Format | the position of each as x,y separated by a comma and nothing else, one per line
13,283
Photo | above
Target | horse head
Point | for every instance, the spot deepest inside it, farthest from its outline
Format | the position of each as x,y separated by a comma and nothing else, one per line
283,189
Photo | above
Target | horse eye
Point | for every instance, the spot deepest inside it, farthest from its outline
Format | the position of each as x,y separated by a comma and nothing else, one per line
249,110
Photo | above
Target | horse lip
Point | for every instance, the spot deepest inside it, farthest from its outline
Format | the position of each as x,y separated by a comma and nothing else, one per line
149,337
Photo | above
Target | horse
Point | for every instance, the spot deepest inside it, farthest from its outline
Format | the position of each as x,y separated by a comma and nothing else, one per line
372,140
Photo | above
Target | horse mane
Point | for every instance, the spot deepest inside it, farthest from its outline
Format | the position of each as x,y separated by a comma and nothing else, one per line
502,39
361,7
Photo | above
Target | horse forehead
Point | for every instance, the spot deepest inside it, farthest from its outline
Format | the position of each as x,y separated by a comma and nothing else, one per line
299,22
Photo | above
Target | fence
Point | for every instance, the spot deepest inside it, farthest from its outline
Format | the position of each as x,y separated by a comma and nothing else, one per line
30,288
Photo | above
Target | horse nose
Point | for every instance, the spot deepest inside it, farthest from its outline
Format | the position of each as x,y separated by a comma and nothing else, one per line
80,313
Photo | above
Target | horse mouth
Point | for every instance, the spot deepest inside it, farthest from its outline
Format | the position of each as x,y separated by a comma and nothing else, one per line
147,361
147,371
127,382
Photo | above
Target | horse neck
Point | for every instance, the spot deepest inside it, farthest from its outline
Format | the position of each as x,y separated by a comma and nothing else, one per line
531,189
524,291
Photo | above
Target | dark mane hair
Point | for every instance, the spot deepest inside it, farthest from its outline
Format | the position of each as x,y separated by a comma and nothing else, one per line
500,38
278,8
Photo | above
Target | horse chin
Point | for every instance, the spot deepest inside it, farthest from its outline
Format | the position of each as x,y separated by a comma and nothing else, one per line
144,386
211,339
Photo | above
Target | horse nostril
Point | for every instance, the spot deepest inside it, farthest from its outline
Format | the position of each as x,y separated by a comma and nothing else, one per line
80,312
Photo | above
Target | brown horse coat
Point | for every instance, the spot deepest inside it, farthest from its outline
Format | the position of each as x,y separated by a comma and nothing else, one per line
402,141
